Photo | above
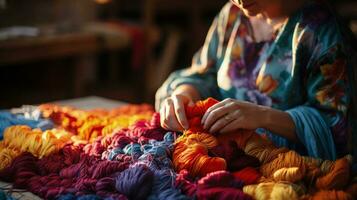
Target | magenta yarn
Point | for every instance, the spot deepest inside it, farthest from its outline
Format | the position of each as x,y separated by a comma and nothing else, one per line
106,168
223,193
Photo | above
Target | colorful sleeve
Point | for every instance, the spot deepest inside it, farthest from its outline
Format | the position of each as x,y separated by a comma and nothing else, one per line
203,72
321,124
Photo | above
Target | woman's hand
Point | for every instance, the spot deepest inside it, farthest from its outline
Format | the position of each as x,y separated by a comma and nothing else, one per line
172,112
231,115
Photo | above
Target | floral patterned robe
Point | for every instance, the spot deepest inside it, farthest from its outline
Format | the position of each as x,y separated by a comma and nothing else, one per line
302,68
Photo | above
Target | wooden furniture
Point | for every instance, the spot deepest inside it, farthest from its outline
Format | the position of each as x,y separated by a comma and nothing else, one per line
80,45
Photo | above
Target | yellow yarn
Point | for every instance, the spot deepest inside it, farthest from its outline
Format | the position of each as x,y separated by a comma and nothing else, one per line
6,156
36,142
271,191
291,174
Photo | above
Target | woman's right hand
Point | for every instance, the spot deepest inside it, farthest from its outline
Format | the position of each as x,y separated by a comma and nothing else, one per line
172,112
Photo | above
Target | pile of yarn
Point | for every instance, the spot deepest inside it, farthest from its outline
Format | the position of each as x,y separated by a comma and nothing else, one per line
25,118
285,174
88,125
19,139
125,154
131,163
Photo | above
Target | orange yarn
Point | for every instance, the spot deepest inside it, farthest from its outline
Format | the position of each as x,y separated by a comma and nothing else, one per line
278,164
88,125
262,149
285,160
191,149
329,195
337,178
352,190
191,153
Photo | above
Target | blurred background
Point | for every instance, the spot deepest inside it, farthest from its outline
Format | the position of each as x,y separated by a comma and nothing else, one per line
120,49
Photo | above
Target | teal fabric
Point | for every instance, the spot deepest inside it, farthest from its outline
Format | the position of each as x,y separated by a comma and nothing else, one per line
304,64
313,132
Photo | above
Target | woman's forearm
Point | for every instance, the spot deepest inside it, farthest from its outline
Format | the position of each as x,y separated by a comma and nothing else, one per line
279,122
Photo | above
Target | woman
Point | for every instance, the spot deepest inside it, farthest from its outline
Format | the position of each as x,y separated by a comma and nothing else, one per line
283,68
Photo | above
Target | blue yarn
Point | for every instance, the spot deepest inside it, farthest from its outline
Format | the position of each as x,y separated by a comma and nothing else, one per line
89,197
70,196
67,197
114,153
163,187
169,137
8,119
135,182
4,196
156,154
133,150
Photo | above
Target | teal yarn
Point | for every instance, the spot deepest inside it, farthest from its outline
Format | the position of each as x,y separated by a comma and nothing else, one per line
133,149
8,119
114,153
4,196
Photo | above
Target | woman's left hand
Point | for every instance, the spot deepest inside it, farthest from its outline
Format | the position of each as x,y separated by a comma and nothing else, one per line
231,114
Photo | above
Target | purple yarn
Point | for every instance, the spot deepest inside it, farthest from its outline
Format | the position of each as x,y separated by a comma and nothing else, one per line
135,182
164,187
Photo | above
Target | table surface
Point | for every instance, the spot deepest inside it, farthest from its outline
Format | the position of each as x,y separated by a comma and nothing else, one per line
85,103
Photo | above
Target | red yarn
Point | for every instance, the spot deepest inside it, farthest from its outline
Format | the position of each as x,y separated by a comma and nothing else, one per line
249,175
195,113
219,179
185,183
120,140
236,158
200,108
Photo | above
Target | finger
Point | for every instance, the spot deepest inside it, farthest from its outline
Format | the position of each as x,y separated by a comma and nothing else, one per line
162,115
232,126
180,112
217,105
170,119
235,124
217,114
218,125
